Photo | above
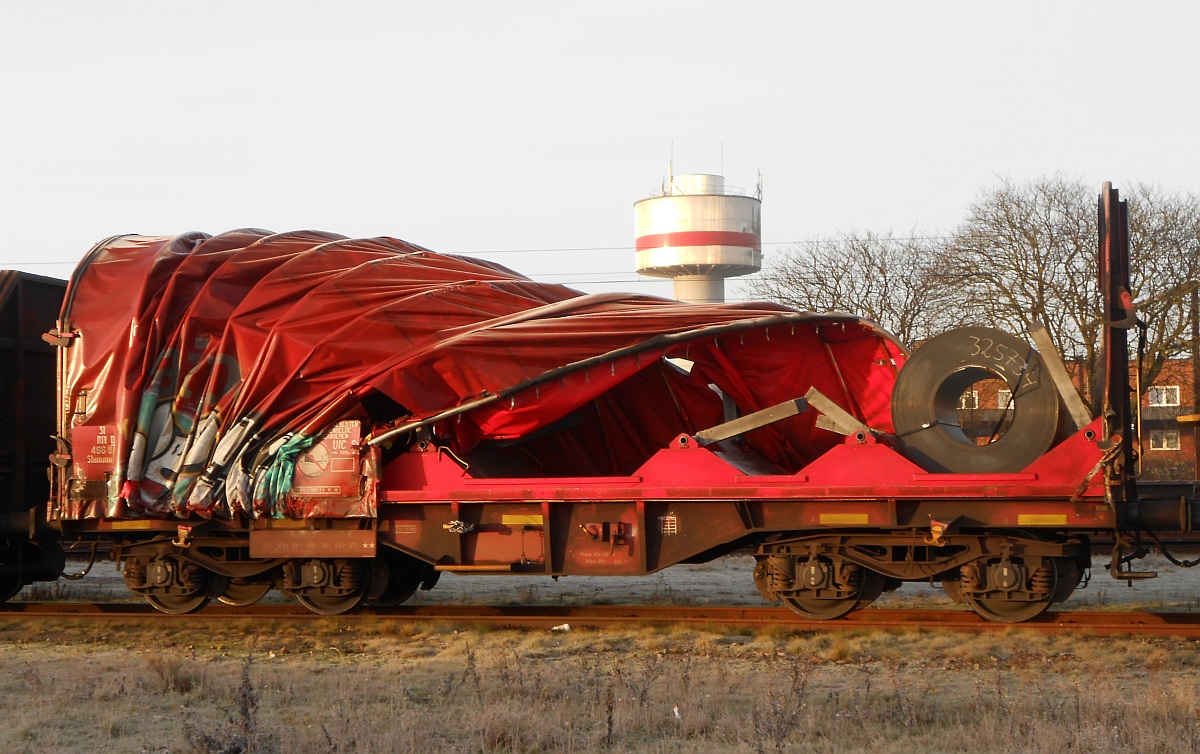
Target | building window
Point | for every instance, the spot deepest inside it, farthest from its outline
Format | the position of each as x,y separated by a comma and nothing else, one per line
969,399
1164,395
1164,439
1004,400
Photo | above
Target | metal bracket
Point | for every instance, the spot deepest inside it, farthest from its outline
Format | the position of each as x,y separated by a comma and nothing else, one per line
59,340
1059,375
938,529
748,422
459,527
833,417
1125,299
1136,550
61,457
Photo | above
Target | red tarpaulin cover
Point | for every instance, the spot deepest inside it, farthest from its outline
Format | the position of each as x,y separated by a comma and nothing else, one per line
202,367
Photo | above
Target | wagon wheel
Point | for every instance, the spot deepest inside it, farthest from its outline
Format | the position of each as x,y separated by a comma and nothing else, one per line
173,586
175,602
9,586
178,604
953,590
244,592
330,604
394,580
327,587
812,607
1007,611
1069,574
1021,603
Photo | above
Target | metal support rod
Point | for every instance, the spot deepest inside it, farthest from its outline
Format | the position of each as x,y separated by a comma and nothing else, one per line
1058,373
1196,376
751,421
833,417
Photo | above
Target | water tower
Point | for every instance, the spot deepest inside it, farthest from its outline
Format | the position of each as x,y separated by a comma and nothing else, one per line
699,232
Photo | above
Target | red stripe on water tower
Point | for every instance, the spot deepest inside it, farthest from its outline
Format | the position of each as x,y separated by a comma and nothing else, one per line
698,238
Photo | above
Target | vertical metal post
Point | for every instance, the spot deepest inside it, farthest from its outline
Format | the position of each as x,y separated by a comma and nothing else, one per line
22,463
1196,375
1117,309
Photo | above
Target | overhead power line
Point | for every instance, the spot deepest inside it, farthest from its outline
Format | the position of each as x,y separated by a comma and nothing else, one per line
808,242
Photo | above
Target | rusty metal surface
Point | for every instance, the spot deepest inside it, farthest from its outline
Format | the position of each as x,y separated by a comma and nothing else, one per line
1090,623
323,543
686,500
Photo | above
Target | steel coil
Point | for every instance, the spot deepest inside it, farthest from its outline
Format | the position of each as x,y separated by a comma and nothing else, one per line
925,402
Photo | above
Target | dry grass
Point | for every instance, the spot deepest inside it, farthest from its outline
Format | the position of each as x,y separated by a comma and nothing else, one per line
340,686
331,687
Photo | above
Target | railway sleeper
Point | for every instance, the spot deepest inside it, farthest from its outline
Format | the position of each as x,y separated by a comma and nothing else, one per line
1005,576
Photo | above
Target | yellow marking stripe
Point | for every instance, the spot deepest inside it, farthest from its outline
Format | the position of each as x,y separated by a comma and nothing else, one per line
1041,519
845,518
134,525
522,519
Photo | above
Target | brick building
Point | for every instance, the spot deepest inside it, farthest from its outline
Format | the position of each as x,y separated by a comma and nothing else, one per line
1169,448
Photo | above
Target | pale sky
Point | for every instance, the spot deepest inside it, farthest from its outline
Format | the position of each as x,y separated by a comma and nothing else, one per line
524,132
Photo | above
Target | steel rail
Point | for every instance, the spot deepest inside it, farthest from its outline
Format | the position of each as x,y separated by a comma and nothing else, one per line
1181,625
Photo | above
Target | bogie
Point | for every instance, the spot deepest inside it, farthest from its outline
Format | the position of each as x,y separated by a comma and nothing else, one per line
172,584
1004,576
327,586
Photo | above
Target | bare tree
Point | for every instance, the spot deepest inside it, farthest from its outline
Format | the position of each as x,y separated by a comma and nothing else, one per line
1164,231
881,277
1027,253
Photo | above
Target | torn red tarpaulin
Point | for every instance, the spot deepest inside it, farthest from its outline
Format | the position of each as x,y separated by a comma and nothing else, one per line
204,358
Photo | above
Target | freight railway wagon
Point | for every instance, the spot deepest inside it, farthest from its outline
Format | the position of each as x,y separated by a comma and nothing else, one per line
344,420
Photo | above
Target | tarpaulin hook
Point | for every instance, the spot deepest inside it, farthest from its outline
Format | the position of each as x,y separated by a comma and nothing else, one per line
443,449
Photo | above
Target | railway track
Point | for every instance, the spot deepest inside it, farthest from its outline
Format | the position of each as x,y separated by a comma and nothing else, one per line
1180,625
